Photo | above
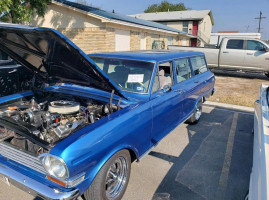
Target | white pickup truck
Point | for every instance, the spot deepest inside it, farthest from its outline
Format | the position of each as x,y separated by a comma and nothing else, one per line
235,53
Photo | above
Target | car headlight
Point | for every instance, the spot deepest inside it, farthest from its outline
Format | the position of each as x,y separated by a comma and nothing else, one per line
55,166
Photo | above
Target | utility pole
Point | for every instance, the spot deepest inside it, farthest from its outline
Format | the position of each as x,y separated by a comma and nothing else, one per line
260,19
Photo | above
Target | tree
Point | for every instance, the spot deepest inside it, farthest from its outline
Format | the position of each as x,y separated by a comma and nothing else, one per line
18,11
165,6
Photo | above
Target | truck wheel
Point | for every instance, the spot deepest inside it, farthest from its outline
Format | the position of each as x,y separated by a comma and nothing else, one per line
267,74
196,115
112,180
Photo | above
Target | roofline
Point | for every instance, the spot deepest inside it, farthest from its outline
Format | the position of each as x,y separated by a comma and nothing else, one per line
184,19
114,21
107,20
103,19
211,16
172,20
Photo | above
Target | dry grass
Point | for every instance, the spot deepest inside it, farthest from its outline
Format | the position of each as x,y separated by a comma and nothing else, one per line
237,91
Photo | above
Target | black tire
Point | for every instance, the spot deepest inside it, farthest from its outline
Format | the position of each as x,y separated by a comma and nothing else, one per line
98,189
266,74
195,117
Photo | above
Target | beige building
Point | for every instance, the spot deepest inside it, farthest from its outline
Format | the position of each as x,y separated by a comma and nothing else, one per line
96,30
197,23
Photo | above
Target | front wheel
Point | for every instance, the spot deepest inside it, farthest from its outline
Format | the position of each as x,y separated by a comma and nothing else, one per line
112,180
196,115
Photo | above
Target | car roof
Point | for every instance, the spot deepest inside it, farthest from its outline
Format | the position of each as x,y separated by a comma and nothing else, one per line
152,56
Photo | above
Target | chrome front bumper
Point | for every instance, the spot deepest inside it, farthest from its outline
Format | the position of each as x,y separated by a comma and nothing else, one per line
34,187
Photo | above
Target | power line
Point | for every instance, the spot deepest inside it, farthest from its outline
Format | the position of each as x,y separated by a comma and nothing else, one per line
260,19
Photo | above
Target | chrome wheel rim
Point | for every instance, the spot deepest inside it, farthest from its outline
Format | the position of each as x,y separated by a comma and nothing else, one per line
198,113
116,177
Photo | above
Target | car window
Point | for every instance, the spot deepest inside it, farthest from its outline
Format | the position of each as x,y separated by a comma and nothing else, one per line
128,75
235,44
255,45
183,69
198,65
164,76
99,62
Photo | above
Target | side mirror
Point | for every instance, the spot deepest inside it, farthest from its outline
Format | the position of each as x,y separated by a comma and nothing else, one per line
167,88
265,49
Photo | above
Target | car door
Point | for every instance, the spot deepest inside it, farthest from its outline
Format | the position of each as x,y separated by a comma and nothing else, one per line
233,54
184,84
257,55
165,103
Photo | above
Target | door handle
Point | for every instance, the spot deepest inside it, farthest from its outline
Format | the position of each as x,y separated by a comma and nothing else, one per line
180,91
249,54
196,81
12,71
225,52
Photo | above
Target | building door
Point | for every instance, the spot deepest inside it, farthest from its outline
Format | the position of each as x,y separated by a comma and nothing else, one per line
195,28
193,42
170,40
122,40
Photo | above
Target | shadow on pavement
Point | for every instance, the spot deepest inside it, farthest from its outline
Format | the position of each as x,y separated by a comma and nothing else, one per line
240,74
199,172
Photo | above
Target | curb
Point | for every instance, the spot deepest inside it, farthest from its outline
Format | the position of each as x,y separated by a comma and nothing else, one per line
229,106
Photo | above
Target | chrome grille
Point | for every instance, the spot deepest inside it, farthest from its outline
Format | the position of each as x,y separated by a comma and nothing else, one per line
21,157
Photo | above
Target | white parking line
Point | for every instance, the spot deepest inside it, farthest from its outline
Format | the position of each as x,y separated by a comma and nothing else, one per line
227,161
228,110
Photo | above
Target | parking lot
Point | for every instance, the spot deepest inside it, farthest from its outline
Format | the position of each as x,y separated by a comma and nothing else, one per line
209,160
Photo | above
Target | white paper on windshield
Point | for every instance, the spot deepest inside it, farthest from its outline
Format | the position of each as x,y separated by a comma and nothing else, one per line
135,78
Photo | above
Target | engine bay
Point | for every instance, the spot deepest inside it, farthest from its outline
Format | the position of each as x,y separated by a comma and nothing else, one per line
37,123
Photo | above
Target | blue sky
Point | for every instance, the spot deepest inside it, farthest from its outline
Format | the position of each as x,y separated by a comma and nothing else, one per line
228,14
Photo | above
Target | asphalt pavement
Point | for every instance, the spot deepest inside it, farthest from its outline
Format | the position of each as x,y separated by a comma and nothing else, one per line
207,161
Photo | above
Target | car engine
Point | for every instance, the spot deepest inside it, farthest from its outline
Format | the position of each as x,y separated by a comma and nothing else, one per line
48,120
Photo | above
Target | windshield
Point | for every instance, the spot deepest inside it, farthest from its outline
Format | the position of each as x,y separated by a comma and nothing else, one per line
128,75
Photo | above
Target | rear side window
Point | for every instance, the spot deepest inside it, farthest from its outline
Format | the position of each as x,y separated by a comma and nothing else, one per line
198,65
235,44
183,69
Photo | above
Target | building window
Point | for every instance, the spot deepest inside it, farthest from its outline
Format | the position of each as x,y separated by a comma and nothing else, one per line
185,26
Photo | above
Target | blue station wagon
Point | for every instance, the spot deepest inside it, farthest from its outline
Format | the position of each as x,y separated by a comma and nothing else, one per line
85,118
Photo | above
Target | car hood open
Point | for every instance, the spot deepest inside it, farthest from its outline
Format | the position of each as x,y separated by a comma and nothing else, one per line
52,56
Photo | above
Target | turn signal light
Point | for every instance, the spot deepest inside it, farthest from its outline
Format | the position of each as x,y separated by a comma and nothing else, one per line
56,181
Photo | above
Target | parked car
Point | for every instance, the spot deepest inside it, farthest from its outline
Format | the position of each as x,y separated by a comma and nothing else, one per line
236,54
78,132
259,181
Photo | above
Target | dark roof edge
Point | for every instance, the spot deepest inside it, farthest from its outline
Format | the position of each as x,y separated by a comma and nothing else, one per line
116,16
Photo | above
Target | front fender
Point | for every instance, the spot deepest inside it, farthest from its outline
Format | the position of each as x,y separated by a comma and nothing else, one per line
92,173
125,129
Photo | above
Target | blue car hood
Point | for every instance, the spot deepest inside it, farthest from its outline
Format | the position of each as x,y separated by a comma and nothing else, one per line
52,56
